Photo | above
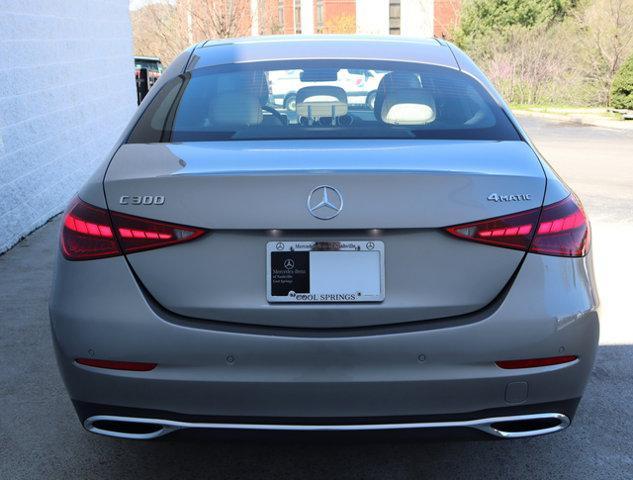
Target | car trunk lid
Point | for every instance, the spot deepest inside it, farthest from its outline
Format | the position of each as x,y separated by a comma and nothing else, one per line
250,193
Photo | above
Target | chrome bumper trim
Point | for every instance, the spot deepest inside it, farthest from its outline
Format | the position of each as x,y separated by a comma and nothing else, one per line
164,427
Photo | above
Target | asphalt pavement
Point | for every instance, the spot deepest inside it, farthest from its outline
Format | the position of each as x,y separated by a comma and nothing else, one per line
40,436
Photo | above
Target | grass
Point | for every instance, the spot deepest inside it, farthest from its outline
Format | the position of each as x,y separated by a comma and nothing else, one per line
568,110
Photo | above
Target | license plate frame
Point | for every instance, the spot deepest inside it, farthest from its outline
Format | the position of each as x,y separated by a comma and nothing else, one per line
358,258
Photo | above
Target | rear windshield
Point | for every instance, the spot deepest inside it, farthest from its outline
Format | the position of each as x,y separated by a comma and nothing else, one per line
324,99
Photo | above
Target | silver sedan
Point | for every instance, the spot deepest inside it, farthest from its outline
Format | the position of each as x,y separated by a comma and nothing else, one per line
410,263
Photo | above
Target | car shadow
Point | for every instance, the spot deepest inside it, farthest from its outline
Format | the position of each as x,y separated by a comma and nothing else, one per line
597,445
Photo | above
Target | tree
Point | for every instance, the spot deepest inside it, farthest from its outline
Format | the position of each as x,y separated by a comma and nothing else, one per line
165,28
604,41
549,51
482,17
341,24
159,30
220,18
533,65
622,88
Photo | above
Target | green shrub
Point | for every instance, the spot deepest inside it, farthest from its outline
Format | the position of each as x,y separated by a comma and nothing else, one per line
480,18
622,87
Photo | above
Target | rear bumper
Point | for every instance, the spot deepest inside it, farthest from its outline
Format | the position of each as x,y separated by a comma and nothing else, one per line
237,373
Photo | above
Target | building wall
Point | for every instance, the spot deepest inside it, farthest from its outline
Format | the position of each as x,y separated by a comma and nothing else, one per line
446,16
332,9
66,92
289,22
335,9
416,17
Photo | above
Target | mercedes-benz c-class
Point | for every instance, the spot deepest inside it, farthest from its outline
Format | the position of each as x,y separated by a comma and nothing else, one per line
409,263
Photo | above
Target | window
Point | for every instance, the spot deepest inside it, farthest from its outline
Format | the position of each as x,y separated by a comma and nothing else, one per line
297,16
310,99
152,125
280,14
319,15
394,17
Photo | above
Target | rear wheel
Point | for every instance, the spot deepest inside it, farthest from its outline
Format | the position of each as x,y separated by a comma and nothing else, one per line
370,101
290,102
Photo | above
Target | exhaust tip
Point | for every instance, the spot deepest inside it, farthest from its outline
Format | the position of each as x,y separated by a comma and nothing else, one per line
133,428
525,425
128,427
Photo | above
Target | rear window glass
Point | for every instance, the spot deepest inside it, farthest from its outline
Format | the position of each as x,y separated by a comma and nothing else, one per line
333,99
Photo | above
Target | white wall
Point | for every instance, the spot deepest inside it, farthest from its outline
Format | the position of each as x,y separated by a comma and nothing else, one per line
66,92
416,17
372,17
307,17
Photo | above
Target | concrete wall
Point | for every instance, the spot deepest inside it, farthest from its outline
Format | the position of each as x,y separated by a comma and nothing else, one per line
66,92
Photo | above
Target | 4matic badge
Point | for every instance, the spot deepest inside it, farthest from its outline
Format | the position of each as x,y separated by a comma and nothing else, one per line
519,197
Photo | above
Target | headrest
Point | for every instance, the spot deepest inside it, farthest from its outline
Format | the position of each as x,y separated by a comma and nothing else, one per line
235,109
335,94
412,106
251,82
262,87
391,82
321,101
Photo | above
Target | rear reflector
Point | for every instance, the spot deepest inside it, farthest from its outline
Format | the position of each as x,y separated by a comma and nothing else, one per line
559,229
535,362
90,232
114,365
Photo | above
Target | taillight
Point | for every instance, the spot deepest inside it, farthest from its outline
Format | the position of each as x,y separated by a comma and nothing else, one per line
512,231
563,230
87,233
559,229
136,233
90,232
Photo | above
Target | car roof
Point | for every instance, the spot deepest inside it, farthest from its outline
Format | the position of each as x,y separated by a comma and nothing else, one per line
279,47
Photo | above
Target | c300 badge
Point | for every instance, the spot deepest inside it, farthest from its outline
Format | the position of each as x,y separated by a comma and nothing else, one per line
142,200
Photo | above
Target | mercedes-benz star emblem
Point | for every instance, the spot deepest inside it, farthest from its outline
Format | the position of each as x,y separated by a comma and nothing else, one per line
325,202
289,264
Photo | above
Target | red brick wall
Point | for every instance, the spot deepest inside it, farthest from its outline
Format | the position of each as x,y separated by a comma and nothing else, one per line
289,17
446,16
334,9
331,9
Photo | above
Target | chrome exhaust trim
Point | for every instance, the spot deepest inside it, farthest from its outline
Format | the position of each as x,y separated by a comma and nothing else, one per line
164,427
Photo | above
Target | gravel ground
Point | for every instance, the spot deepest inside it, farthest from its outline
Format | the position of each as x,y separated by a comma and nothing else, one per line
40,436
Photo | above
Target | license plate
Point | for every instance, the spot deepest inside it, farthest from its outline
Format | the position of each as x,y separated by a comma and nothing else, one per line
304,272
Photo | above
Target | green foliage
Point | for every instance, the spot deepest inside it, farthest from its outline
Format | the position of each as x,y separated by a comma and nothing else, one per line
622,87
482,17
552,51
